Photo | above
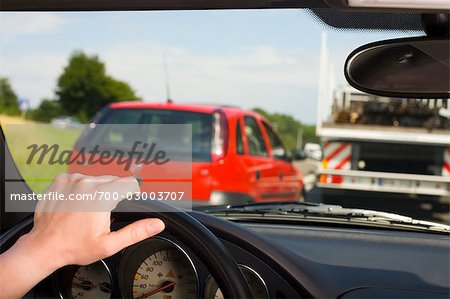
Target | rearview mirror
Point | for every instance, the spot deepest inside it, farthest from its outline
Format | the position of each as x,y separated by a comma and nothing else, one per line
404,68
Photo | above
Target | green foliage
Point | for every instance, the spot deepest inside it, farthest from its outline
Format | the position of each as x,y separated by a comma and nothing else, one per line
47,110
8,98
119,90
288,128
84,87
309,134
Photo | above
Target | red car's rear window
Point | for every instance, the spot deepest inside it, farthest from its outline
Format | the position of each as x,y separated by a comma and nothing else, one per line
201,125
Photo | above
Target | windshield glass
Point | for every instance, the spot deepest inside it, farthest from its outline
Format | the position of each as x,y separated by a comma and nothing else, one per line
259,97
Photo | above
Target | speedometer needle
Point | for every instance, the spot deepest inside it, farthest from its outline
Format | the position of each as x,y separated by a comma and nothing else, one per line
84,284
157,290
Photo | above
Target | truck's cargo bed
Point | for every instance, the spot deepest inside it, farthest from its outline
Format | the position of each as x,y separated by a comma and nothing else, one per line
384,133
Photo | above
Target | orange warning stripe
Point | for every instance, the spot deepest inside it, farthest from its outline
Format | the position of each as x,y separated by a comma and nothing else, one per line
446,167
343,162
337,151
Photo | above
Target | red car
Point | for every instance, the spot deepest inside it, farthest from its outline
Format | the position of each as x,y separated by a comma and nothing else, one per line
237,157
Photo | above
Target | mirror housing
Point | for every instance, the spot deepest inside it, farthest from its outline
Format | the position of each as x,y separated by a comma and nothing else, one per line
403,68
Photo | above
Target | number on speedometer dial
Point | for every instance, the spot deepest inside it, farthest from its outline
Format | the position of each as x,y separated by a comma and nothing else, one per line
165,274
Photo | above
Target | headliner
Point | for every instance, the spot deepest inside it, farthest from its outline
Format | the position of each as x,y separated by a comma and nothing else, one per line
337,18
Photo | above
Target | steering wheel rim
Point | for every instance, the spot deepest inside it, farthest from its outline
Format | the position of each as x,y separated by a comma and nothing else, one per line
197,237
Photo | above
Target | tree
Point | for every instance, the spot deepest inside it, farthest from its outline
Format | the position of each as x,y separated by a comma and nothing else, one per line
119,90
84,87
8,99
288,127
47,110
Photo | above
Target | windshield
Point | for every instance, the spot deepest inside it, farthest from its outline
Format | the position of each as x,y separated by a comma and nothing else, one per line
256,99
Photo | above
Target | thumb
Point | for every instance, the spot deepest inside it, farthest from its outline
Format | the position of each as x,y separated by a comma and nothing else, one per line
133,233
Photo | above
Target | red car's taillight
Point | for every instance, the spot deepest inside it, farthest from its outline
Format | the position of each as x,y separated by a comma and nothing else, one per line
219,141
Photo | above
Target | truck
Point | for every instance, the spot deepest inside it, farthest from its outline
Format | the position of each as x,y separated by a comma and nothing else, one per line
379,145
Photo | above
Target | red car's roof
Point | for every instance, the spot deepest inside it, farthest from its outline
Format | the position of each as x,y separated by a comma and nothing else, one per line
202,108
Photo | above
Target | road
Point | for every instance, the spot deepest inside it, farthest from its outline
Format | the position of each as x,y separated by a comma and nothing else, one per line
309,169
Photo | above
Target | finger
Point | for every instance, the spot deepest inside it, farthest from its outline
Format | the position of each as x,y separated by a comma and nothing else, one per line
57,181
57,184
131,183
132,234
123,187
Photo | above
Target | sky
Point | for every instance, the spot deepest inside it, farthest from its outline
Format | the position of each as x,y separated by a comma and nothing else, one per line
256,58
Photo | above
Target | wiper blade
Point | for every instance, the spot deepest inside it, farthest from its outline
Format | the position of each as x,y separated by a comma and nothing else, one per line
308,210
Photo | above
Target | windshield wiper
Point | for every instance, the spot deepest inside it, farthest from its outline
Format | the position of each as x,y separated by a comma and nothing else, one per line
313,211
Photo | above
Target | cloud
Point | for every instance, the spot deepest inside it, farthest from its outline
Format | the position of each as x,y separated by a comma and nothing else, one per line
282,80
15,24
33,77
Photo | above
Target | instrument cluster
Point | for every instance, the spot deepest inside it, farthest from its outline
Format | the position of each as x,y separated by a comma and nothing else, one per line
156,268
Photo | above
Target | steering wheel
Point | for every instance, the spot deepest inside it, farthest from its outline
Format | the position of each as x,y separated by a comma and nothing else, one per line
186,228
200,240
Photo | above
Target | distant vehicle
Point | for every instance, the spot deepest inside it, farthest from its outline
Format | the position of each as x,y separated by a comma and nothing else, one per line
308,167
313,151
237,157
378,145
63,122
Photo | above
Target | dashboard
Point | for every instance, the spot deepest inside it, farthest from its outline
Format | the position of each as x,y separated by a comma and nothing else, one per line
160,267
278,261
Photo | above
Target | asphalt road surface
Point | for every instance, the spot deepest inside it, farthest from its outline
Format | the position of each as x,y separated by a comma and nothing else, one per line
308,168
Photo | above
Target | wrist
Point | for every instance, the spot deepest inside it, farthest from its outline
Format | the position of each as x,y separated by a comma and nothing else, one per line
40,252
26,263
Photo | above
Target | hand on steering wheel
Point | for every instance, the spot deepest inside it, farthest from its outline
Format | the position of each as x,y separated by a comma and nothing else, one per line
79,233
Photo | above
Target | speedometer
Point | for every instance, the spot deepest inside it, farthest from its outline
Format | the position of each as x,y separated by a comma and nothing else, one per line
158,268
165,274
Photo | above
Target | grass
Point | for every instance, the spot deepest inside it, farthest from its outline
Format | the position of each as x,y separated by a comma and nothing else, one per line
20,134
6,119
